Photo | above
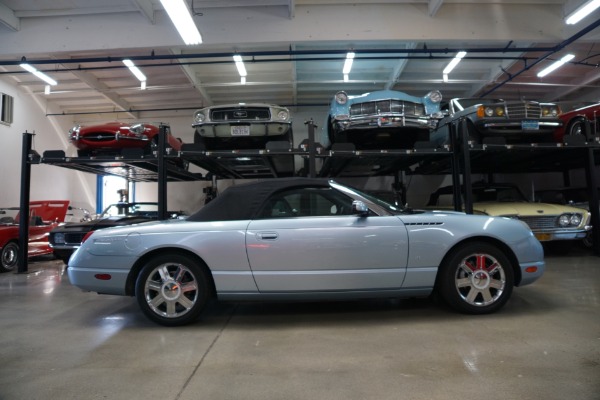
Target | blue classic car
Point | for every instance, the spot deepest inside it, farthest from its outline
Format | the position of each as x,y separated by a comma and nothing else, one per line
518,121
381,119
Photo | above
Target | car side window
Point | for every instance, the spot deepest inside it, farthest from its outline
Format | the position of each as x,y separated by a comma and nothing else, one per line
307,202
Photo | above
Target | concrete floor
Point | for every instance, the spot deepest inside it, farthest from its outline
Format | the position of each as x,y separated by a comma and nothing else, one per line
57,342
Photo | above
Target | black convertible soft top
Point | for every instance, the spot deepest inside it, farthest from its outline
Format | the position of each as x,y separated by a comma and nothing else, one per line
243,201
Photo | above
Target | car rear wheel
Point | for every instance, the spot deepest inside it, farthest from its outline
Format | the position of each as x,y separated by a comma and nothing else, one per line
476,278
172,289
577,127
10,257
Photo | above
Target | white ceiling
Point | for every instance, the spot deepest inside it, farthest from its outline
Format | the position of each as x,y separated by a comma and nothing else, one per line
294,52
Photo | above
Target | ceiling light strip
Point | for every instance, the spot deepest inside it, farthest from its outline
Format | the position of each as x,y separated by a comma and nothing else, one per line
239,63
583,11
135,70
39,74
555,65
452,64
182,19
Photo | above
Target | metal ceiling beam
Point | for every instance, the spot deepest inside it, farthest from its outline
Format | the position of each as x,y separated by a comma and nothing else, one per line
197,83
434,6
105,91
399,67
146,9
8,18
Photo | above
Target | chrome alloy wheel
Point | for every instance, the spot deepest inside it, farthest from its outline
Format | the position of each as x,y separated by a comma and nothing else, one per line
171,290
480,279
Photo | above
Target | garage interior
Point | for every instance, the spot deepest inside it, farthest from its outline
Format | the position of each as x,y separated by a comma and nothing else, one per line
60,342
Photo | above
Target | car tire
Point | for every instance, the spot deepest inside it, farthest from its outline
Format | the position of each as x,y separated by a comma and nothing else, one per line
476,278
576,127
172,289
9,257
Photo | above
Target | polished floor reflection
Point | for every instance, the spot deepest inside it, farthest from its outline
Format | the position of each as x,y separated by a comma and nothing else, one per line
58,342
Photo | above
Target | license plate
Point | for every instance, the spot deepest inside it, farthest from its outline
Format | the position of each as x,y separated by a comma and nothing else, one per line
240,131
528,125
543,237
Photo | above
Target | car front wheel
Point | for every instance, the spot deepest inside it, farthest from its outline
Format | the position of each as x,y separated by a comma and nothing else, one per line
172,289
476,278
10,257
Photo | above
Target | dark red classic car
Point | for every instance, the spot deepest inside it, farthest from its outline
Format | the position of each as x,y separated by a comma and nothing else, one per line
44,216
110,138
582,121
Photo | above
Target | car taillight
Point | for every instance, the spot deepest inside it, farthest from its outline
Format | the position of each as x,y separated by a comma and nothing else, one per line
87,235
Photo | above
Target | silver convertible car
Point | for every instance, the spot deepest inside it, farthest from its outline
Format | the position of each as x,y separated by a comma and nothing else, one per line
307,239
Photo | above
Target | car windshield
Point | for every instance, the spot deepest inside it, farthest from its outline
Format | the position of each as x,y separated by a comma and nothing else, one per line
498,194
380,202
131,209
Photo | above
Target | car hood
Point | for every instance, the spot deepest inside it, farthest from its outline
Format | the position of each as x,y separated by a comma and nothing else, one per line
525,209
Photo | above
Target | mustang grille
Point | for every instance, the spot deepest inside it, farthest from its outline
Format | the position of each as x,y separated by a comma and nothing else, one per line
237,114
71,238
387,106
540,223
523,110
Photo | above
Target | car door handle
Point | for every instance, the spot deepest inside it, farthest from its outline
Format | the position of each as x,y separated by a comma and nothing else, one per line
267,235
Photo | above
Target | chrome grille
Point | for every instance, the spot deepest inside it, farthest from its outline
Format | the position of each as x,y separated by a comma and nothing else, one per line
240,114
386,107
98,137
523,110
541,223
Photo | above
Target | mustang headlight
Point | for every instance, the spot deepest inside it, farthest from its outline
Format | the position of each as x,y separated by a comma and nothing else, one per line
282,115
569,220
434,96
341,98
59,238
199,117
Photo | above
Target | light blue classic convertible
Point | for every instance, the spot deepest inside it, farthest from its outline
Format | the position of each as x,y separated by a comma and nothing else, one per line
307,239
381,119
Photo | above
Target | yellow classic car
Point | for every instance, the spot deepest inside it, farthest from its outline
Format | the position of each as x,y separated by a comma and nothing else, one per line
547,221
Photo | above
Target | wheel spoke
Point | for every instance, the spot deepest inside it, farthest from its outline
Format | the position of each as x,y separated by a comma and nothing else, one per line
481,258
189,287
164,273
171,308
464,282
157,301
153,285
487,296
472,295
185,302
179,274
497,284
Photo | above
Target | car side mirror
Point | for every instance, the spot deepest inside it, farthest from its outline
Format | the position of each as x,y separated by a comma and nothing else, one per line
360,208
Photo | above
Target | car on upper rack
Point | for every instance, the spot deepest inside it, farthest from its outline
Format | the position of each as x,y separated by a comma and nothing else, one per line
307,239
583,122
44,215
112,137
514,121
67,238
381,119
242,126
547,221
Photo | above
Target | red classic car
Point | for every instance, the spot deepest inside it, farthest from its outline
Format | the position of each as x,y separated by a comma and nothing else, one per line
110,138
44,216
582,121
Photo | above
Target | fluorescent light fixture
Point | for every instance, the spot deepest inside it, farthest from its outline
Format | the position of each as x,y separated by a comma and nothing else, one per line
346,78
182,19
445,77
452,64
243,80
134,70
143,85
39,74
556,65
47,89
582,11
348,63
239,63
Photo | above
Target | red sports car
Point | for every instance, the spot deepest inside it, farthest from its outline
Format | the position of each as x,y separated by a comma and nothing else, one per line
582,121
43,217
110,138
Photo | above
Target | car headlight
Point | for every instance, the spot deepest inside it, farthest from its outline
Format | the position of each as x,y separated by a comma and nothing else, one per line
434,96
566,220
282,115
199,117
341,98
74,132
550,111
59,238
137,129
